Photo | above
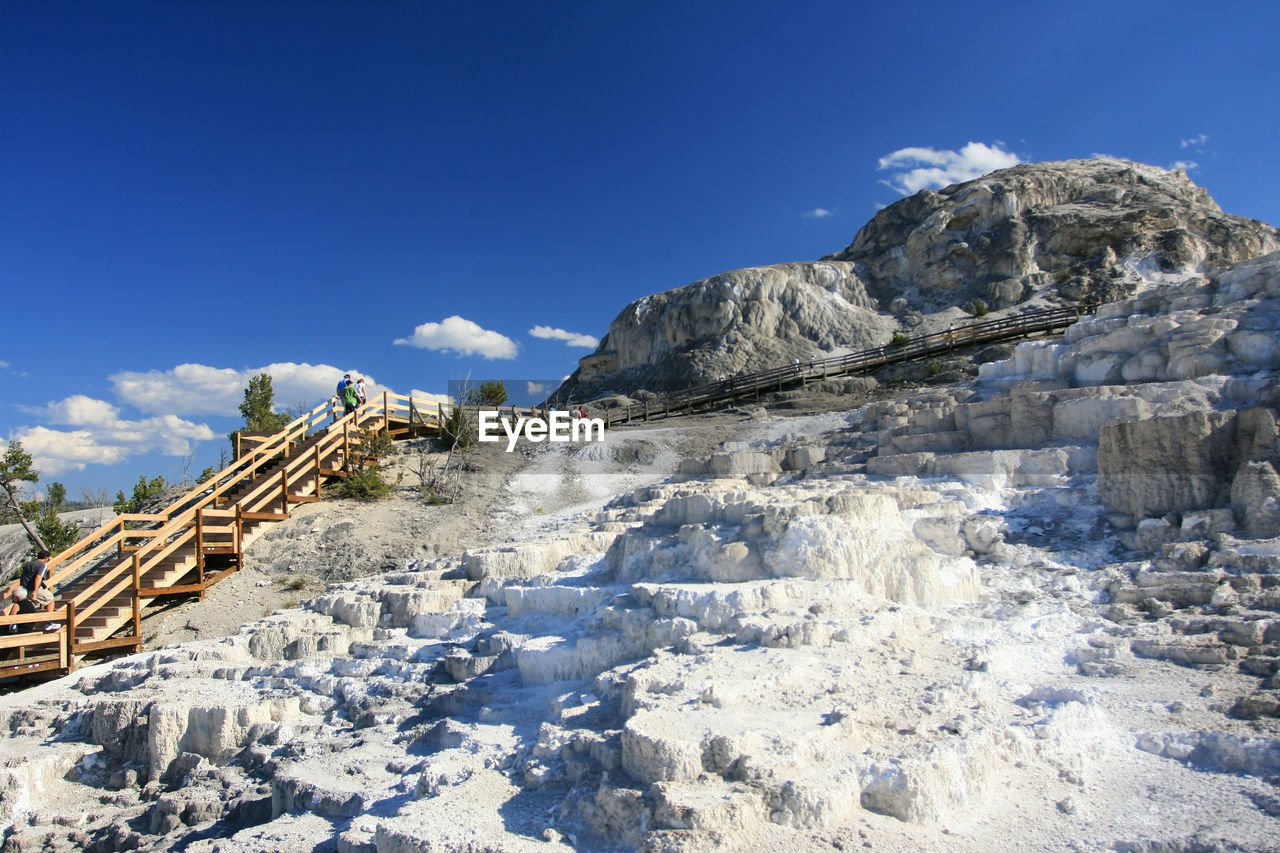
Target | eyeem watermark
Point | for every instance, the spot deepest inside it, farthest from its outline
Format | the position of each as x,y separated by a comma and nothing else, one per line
558,427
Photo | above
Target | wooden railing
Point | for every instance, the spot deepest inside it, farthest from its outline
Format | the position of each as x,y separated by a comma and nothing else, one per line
105,578
910,349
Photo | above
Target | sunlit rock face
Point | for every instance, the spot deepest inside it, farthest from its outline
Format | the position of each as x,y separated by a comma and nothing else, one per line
744,320
1080,230
1027,237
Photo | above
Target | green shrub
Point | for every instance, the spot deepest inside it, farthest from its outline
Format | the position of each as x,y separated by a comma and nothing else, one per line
934,368
979,308
899,340
367,485
364,481
456,432
143,491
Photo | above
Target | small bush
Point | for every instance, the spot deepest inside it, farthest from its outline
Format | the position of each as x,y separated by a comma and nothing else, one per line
934,368
456,432
368,485
979,308
899,340
295,584
364,480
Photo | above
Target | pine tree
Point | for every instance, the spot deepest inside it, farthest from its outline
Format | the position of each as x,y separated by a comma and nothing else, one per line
258,408
15,469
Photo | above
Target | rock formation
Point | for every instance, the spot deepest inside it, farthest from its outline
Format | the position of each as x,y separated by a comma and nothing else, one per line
1029,236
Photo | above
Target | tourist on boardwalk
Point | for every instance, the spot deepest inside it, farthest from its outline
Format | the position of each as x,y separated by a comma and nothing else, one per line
35,580
360,390
349,394
20,604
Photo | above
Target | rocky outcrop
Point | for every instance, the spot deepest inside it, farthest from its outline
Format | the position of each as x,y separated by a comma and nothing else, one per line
1034,235
737,321
1092,230
1159,465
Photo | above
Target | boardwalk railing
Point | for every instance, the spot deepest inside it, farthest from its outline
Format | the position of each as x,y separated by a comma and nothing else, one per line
105,579
863,361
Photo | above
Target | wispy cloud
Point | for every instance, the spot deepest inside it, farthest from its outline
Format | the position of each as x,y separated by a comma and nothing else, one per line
572,339
535,388
431,397
198,389
101,437
1195,143
1184,165
818,213
459,335
918,168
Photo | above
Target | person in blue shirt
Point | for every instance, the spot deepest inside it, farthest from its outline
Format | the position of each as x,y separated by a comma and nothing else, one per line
349,394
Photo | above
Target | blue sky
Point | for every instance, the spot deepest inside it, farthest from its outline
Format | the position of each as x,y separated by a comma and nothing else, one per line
425,191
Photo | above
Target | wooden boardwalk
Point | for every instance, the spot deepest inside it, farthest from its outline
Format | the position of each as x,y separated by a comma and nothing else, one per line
924,347
110,576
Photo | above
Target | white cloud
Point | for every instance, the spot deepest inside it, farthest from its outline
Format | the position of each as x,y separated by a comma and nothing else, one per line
535,388
818,213
1196,142
102,437
197,389
1184,165
420,396
919,168
572,339
79,410
461,336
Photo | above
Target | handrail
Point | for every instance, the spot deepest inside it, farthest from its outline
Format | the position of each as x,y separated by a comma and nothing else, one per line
924,346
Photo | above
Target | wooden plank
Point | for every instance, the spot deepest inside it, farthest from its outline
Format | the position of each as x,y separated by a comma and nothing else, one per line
161,591
34,638
12,669
110,643
264,516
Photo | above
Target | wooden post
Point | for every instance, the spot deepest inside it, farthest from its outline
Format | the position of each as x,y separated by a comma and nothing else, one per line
137,595
316,448
64,647
284,488
239,533
71,635
200,546
236,435
137,615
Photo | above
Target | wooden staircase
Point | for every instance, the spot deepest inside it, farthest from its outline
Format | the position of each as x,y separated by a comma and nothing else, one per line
106,580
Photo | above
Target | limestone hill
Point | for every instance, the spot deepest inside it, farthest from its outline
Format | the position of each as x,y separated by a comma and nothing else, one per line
1037,234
